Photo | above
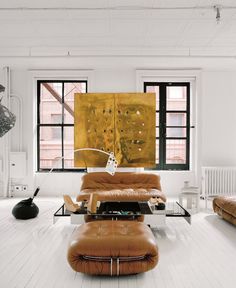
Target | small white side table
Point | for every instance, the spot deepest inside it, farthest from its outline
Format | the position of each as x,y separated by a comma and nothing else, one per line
191,194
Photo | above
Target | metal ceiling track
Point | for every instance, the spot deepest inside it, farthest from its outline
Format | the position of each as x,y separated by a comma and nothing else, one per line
116,8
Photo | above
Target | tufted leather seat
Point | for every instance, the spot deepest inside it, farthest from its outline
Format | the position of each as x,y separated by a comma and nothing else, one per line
225,207
123,186
112,248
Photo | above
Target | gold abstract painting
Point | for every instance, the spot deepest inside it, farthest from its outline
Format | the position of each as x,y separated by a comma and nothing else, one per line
123,123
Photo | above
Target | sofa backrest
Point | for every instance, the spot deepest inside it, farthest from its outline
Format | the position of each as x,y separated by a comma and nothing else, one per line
121,180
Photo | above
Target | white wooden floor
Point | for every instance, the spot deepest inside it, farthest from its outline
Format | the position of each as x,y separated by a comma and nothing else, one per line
33,253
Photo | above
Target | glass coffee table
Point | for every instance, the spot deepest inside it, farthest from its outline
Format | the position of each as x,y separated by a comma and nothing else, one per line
155,215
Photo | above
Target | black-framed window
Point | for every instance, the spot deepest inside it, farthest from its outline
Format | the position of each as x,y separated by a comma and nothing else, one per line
55,123
172,124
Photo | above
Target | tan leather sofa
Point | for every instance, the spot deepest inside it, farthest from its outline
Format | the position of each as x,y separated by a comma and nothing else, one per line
123,186
112,248
225,207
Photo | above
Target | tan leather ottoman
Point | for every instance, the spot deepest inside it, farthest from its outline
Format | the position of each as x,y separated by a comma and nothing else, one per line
225,207
112,248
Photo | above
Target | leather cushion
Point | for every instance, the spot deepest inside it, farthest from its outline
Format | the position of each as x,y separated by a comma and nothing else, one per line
122,194
112,239
121,180
225,206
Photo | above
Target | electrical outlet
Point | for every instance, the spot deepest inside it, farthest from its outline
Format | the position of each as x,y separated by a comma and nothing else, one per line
24,187
17,188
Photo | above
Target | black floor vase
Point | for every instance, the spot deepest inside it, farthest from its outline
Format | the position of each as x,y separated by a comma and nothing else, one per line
26,209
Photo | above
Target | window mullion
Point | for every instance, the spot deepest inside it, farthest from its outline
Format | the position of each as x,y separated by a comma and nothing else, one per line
162,141
188,125
62,126
38,123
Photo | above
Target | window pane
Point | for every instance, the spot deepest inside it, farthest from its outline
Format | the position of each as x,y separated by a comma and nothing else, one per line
176,119
50,148
57,87
157,151
176,132
50,101
56,131
69,147
56,118
176,97
70,88
157,119
154,89
175,151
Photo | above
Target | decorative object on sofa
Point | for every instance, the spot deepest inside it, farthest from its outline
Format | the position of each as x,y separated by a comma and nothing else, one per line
225,207
7,118
119,122
123,186
104,248
26,209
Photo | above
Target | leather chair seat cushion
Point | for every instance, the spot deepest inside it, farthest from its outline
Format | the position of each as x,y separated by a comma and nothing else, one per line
127,194
225,207
93,245
123,186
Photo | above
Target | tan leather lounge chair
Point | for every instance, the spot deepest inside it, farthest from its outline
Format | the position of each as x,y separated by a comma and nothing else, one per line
123,186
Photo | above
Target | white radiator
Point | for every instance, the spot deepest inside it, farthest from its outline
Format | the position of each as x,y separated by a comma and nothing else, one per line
218,181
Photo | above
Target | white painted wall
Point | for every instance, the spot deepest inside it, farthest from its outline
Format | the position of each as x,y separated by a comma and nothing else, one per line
218,118
216,140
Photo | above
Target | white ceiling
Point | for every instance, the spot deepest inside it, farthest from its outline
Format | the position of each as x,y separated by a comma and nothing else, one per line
117,27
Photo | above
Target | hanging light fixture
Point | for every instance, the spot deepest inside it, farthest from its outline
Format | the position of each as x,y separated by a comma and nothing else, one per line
7,118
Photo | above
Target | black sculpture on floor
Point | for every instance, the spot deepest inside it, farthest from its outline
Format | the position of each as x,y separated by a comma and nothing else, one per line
26,209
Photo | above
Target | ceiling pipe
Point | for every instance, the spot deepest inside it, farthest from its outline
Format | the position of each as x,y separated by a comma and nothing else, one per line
113,8
6,139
